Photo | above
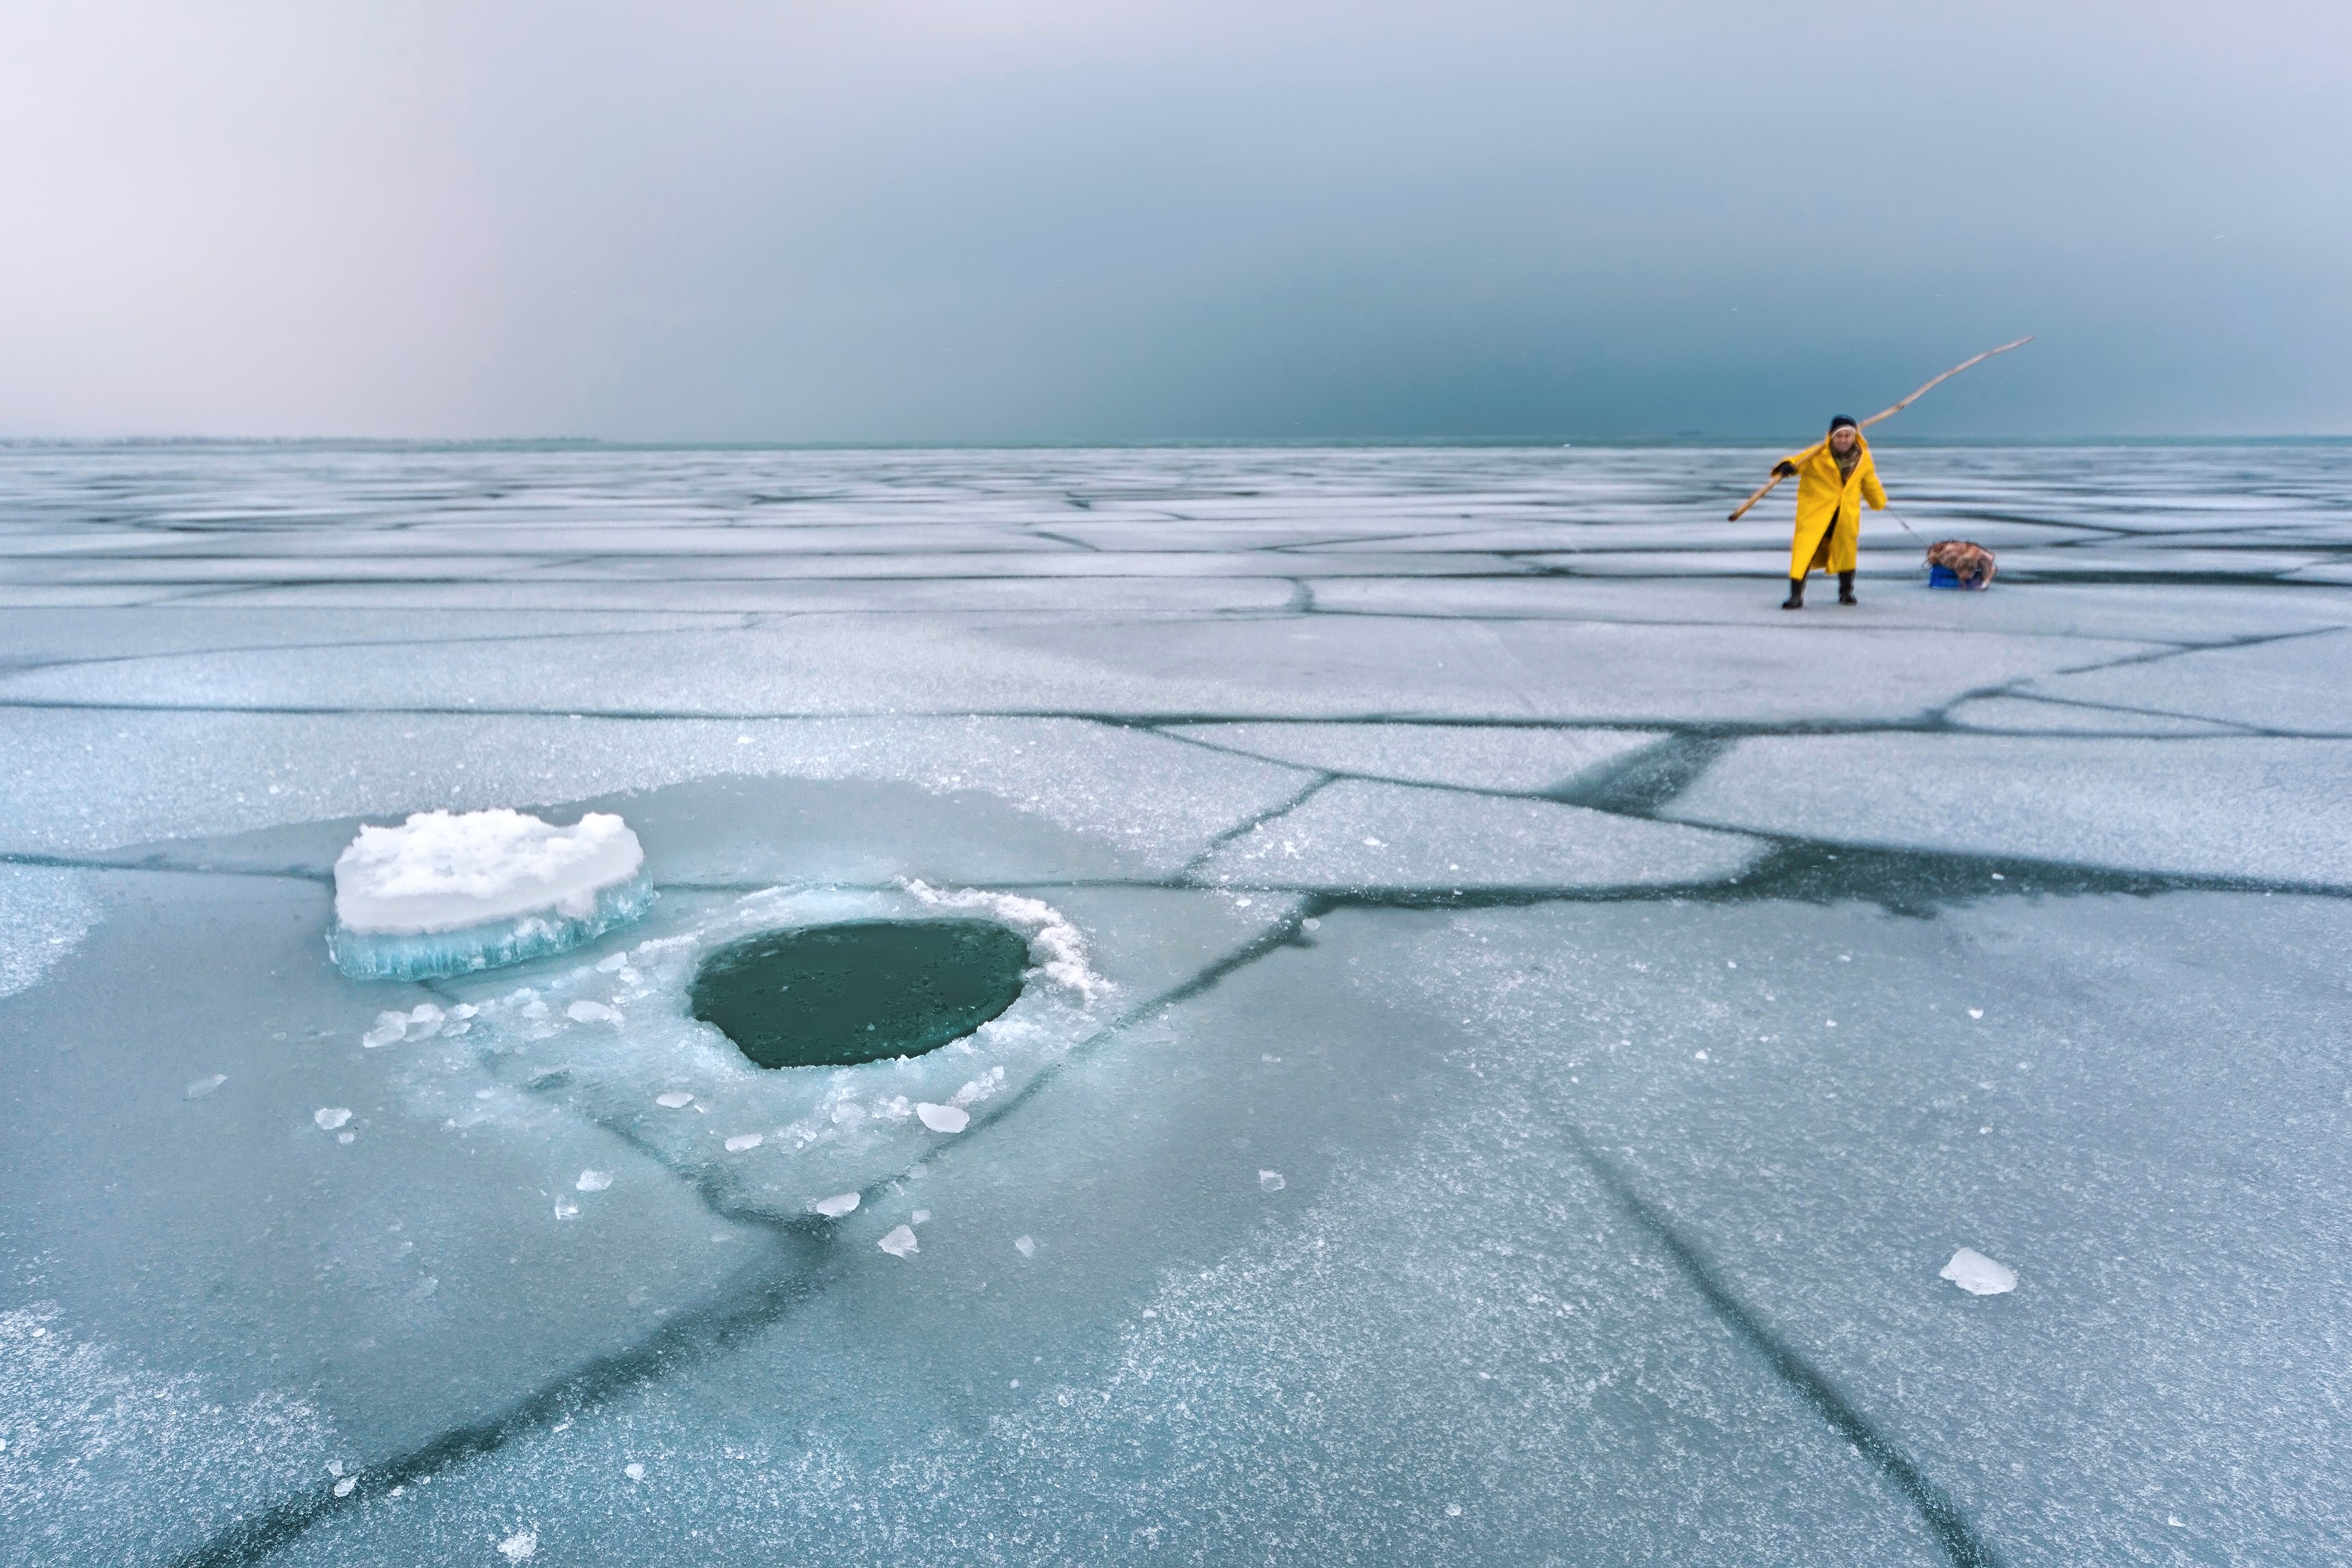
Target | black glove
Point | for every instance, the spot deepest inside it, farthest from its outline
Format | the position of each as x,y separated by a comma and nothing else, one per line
1784,469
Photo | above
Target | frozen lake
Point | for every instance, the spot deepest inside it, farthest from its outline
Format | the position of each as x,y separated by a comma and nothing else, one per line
1533,1025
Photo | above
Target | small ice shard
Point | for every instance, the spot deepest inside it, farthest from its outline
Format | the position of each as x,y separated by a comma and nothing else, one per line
1375,844
1698,1056
343,1487
347,1137
204,1086
1265,1057
590,1013
334,1467
944,1118
566,1209
606,965
593,1181
1975,1012
636,1472
849,1113
1270,1181
674,1099
1026,1246
899,1243
1977,1275
389,1027
330,1117
519,1546
918,1217
742,1140
445,893
423,1021
836,1206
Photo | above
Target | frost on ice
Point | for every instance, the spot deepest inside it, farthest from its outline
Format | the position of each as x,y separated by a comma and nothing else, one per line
447,892
1977,1275
519,1546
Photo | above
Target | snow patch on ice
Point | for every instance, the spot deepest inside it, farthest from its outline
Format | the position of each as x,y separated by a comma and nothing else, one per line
521,1546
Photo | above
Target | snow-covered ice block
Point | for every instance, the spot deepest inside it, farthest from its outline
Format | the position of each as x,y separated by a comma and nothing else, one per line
445,893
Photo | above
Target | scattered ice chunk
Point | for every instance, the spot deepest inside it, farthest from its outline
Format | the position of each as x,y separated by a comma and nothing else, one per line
334,1467
330,1117
1699,1056
1270,1181
347,1137
900,1243
742,1140
836,1206
389,1027
593,1181
590,1013
566,1209
674,1099
1977,1275
1026,1246
944,1118
606,965
423,1021
343,1487
918,1217
519,1546
1267,1057
204,1086
1975,1012
633,1470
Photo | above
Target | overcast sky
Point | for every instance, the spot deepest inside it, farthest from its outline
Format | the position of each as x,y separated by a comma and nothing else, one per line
867,220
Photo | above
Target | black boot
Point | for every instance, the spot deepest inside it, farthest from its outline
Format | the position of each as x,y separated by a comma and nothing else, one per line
1845,589
1796,599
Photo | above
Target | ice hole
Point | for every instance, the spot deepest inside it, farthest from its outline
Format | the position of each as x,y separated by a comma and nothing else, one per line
837,996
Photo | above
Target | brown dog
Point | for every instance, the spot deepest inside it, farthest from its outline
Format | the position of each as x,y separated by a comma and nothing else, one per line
1971,564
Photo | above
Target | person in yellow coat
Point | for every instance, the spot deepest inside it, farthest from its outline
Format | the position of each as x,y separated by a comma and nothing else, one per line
1833,479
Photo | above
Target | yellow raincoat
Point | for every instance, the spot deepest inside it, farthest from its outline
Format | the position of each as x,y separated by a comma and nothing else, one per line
1829,508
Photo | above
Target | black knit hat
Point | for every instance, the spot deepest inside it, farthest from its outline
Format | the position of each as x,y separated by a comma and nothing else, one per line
1842,420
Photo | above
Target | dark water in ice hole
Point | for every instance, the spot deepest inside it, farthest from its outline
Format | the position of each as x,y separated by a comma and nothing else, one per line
838,994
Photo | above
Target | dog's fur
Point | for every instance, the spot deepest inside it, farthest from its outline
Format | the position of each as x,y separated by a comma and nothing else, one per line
1971,564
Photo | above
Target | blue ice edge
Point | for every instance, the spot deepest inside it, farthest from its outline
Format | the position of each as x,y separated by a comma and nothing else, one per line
371,955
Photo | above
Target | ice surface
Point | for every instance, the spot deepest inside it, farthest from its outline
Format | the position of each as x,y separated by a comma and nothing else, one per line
2254,807
1519,761
1356,834
44,914
1590,1228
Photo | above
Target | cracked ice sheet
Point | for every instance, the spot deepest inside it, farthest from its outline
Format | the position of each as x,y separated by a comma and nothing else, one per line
2269,810
1436,1340
2206,614
1311,668
81,782
2148,1123
1356,834
175,1192
2295,685
1474,757
2014,713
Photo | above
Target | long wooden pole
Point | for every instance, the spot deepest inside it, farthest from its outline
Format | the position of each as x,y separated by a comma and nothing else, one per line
1742,508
